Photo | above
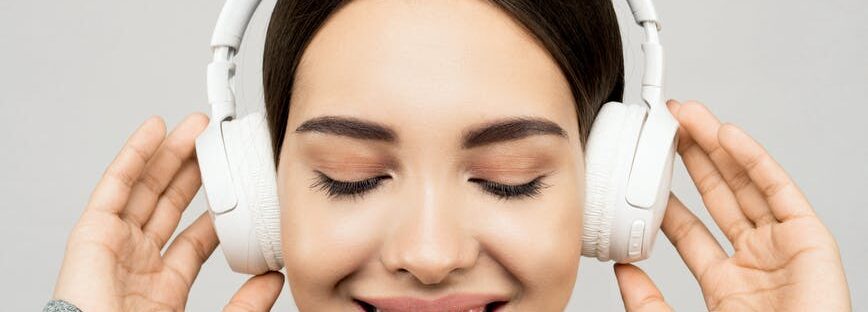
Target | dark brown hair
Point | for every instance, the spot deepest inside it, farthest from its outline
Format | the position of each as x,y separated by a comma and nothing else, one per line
582,36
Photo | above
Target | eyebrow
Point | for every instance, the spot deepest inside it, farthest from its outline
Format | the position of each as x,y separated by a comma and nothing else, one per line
349,127
502,130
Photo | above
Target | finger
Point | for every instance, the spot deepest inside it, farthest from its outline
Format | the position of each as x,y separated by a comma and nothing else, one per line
113,189
783,196
172,203
259,293
716,195
174,151
638,291
694,243
703,127
191,248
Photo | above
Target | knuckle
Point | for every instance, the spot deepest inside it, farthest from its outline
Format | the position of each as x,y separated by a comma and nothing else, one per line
717,152
177,150
239,306
121,175
772,189
195,245
137,151
150,181
740,181
683,230
709,183
176,196
651,302
754,161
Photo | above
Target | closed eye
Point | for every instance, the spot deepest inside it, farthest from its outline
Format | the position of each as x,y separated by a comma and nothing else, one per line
341,189
337,189
507,191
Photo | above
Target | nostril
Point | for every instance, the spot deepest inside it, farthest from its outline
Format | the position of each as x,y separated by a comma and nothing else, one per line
367,307
494,306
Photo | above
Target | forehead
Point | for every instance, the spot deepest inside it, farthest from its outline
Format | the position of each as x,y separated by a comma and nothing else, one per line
431,63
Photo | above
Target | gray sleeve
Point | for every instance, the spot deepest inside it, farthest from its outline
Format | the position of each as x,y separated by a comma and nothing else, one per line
60,306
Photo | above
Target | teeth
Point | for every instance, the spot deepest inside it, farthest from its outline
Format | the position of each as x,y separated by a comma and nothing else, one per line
479,309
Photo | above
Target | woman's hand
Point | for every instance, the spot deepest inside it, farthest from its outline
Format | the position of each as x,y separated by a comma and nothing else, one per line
113,260
784,257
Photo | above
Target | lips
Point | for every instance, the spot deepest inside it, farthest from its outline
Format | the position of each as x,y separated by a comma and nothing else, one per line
451,303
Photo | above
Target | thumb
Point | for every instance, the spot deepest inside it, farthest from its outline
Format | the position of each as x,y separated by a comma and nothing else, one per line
638,291
257,294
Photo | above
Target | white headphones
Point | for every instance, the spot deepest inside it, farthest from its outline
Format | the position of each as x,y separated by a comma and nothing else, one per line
628,157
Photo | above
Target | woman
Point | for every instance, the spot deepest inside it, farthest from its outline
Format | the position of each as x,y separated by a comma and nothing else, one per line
388,188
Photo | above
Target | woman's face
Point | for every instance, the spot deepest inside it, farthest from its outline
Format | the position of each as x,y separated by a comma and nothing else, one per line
436,105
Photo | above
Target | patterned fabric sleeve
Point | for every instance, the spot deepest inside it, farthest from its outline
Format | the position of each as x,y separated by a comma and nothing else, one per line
60,306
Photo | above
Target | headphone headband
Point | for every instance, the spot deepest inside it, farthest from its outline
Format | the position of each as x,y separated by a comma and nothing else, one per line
236,15
232,23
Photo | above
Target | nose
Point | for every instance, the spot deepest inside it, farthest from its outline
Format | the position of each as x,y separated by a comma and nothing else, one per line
430,242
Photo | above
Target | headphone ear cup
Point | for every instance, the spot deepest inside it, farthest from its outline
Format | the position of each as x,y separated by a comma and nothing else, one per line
600,160
248,145
608,158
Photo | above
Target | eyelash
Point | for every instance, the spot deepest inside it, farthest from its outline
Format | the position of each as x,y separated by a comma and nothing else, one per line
342,189
353,189
506,191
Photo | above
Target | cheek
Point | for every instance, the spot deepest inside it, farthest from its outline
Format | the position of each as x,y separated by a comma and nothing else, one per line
322,242
540,243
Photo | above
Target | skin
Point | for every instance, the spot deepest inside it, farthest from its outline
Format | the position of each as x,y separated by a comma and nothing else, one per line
430,71
427,231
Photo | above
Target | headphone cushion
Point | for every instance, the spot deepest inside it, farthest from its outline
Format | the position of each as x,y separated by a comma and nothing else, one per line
255,175
601,159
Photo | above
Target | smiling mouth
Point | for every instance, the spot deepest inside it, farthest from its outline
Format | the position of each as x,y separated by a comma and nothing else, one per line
494,306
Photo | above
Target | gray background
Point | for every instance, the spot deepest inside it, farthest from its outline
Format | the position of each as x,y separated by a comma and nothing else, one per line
79,76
